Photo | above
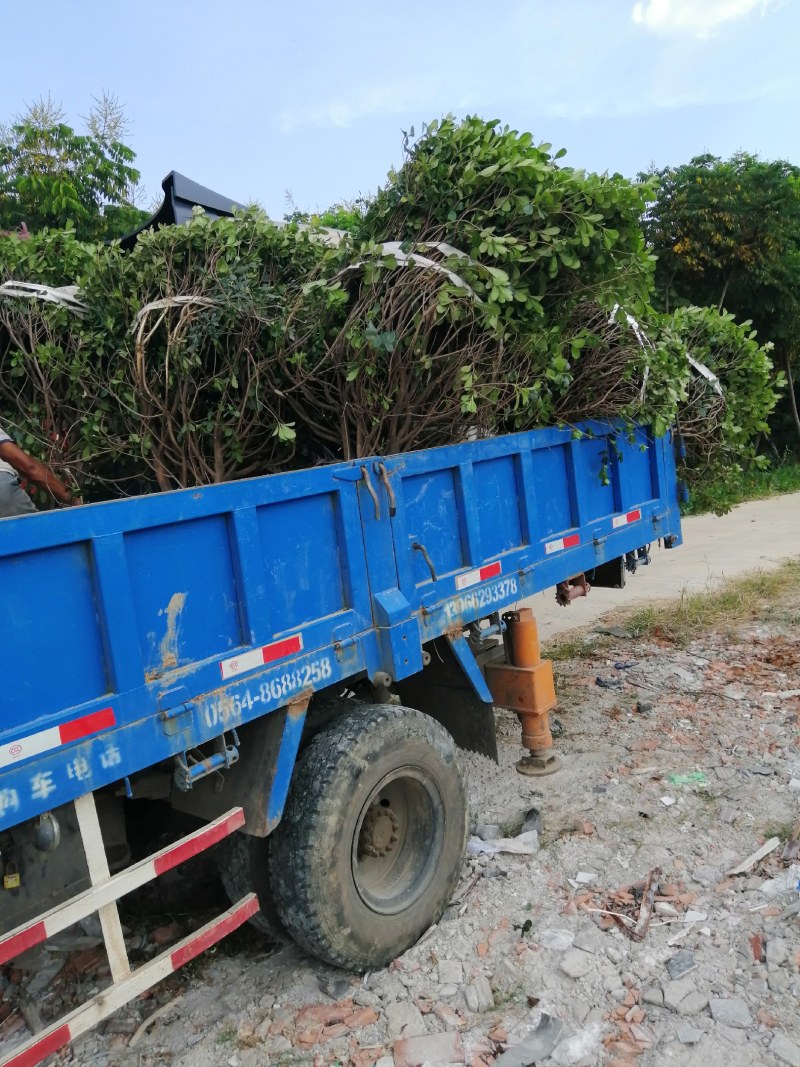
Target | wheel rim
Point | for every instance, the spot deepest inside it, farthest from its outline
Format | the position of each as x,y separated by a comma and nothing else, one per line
398,840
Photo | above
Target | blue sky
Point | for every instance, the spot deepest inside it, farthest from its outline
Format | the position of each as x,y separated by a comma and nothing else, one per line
257,98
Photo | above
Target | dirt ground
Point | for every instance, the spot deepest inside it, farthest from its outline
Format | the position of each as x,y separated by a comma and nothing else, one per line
624,939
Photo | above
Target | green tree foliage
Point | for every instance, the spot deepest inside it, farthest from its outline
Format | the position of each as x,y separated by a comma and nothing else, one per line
52,177
720,422
727,233
486,288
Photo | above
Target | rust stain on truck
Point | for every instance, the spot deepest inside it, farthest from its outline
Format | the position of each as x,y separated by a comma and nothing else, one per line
168,649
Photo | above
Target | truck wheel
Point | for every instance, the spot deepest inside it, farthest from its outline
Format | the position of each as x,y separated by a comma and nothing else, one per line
242,864
372,840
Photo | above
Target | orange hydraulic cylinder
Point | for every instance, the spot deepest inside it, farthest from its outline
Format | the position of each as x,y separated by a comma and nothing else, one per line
526,685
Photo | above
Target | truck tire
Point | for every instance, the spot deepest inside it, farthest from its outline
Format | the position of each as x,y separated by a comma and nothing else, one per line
372,840
242,864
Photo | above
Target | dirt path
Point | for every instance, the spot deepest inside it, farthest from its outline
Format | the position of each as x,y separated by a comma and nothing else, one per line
754,536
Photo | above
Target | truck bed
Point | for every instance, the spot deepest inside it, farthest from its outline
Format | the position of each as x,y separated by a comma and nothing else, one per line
137,630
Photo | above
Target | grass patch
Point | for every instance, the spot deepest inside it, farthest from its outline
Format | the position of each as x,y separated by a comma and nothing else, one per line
572,646
752,485
782,830
769,595
735,601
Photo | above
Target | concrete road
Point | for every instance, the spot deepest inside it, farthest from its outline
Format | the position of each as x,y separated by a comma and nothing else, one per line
758,535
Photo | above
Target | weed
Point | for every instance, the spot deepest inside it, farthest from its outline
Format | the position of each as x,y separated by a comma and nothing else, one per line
782,830
227,1033
736,600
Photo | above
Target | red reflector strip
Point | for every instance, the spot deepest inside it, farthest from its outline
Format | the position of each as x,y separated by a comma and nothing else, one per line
214,932
89,724
563,542
250,661
623,520
185,850
56,736
480,574
279,649
13,946
34,1054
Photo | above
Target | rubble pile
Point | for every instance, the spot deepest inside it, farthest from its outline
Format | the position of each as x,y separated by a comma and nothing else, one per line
658,922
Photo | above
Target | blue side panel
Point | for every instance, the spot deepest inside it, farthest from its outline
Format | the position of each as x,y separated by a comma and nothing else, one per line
432,518
497,504
302,564
552,482
184,593
50,591
137,630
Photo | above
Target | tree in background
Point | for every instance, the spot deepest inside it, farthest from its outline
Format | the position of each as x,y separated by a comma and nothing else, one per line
51,176
727,234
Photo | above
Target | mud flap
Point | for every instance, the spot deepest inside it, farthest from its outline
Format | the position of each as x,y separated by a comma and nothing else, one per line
445,692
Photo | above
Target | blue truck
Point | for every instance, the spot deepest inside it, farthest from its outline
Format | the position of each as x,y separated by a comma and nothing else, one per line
292,660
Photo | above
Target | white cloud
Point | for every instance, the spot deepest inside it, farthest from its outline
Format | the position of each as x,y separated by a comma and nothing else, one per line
700,18
422,95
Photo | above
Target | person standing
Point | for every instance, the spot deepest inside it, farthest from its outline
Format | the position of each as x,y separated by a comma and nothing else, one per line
14,462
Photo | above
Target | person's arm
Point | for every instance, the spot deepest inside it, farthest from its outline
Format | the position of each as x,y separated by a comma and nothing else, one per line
34,471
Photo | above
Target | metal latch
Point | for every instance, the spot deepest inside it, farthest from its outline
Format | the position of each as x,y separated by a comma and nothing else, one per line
191,767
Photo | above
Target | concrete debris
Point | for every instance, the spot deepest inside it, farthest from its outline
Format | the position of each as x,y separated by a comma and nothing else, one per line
534,960
436,1050
731,1012
536,1046
753,859
681,963
479,995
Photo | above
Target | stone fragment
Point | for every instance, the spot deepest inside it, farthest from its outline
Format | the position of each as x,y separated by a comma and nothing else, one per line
680,964
556,939
576,963
433,1049
505,978
674,992
451,972
582,1047
404,1020
590,938
777,951
663,907
730,1012
778,981
653,995
42,979
688,1035
535,1047
693,1004
479,996
786,1051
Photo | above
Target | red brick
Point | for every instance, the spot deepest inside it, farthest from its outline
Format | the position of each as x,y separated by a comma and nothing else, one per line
337,1030
447,1015
323,1014
362,1017
311,1036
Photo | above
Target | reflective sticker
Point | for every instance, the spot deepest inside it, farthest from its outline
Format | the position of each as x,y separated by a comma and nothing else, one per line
562,543
480,574
623,520
56,736
249,661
